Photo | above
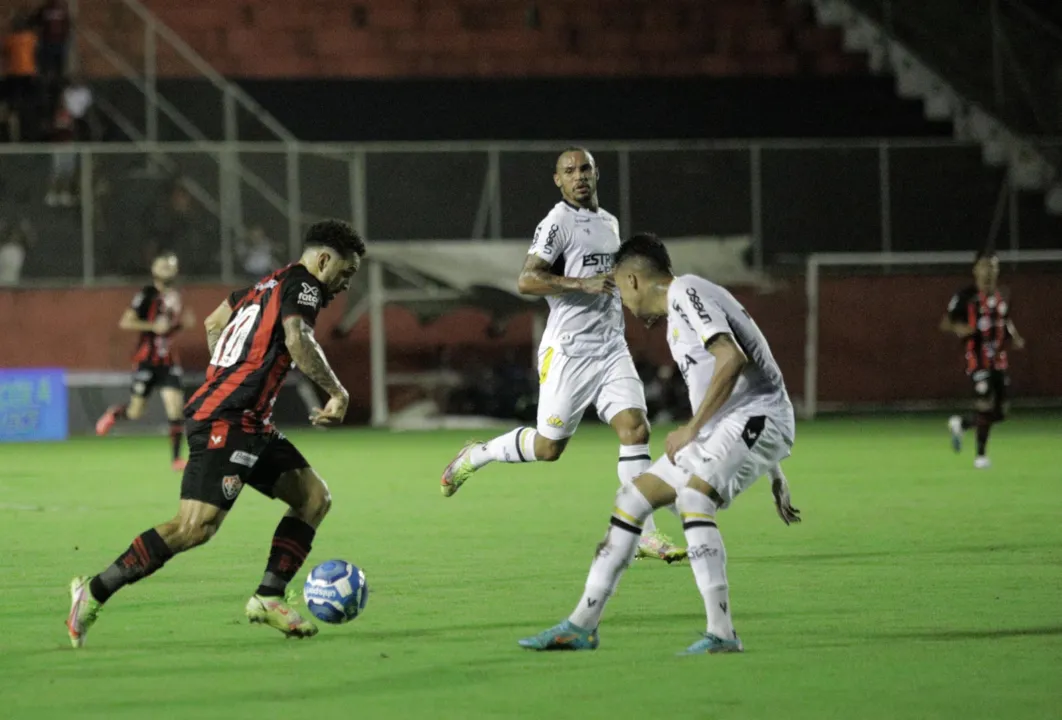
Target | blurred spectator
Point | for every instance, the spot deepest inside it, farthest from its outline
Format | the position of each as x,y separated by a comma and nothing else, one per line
78,100
14,244
174,222
52,20
8,119
257,253
62,188
20,67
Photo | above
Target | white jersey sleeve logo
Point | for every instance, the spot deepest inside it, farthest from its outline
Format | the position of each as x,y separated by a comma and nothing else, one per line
580,243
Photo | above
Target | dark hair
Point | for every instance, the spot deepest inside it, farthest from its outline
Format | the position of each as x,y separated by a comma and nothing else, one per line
335,235
163,254
984,254
646,247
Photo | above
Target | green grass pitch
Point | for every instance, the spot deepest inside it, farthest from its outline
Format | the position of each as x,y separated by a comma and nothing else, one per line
915,588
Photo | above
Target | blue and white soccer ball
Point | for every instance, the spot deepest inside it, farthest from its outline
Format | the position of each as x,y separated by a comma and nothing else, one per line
335,592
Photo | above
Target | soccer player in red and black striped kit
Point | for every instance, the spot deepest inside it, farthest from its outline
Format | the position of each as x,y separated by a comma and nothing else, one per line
155,314
255,336
980,315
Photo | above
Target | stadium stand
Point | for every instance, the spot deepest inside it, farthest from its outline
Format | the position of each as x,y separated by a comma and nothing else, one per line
495,38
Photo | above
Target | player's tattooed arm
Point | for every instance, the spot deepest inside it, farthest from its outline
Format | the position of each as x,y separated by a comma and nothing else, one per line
536,279
308,355
215,324
310,358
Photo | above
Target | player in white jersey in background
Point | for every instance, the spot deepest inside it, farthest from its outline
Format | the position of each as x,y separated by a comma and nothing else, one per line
583,357
742,427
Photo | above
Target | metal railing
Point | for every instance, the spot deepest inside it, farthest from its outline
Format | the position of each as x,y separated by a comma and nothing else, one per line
999,53
790,197
150,116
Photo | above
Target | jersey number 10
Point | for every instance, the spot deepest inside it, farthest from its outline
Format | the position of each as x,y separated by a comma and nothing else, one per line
230,345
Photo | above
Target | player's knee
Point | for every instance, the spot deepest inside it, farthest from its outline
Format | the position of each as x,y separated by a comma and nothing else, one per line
695,500
134,411
188,534
316,503
636,433
632,504
547,450
655,491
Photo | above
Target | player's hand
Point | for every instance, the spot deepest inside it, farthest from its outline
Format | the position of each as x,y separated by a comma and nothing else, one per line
332,413
598,285
678,439
782,503
1019,342
161,326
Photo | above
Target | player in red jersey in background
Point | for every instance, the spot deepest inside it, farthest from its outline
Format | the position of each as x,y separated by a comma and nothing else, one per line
155,315
980,315
255,336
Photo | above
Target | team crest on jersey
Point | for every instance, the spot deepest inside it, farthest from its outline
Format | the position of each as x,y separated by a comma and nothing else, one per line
231,486
310,295
267,285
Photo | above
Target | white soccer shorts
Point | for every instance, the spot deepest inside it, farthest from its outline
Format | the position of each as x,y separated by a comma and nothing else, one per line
569,385
741,448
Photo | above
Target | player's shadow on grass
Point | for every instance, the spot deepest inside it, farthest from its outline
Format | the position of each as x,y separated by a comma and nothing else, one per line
862,555
978,634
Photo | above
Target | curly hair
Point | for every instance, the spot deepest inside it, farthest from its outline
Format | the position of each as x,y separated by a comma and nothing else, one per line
335,235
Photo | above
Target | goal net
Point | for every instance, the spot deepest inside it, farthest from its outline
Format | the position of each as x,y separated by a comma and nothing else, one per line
873,341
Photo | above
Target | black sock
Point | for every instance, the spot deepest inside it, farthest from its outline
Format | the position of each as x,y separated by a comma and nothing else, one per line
119,411
147,554
969,421
984,426
291,544
176,432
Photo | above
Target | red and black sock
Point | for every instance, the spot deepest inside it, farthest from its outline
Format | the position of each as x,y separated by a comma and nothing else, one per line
984,427
291,544
118,411
147,554
176,433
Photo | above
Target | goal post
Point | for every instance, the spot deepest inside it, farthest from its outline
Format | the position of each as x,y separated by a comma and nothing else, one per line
910,275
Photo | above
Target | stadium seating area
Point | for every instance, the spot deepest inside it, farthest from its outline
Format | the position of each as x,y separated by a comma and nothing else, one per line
485,38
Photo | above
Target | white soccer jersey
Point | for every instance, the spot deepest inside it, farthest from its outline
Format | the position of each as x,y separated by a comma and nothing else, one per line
698,310
580,243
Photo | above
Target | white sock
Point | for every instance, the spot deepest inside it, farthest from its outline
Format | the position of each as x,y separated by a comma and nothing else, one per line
633,461
613,556
515,446
708,559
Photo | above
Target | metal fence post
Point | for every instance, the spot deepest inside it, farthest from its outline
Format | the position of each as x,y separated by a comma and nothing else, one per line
494,174
624,161
756,203
885,190
151,107
88,212
359,203
294,189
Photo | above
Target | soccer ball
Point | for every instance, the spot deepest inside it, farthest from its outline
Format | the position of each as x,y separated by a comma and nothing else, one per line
335,592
